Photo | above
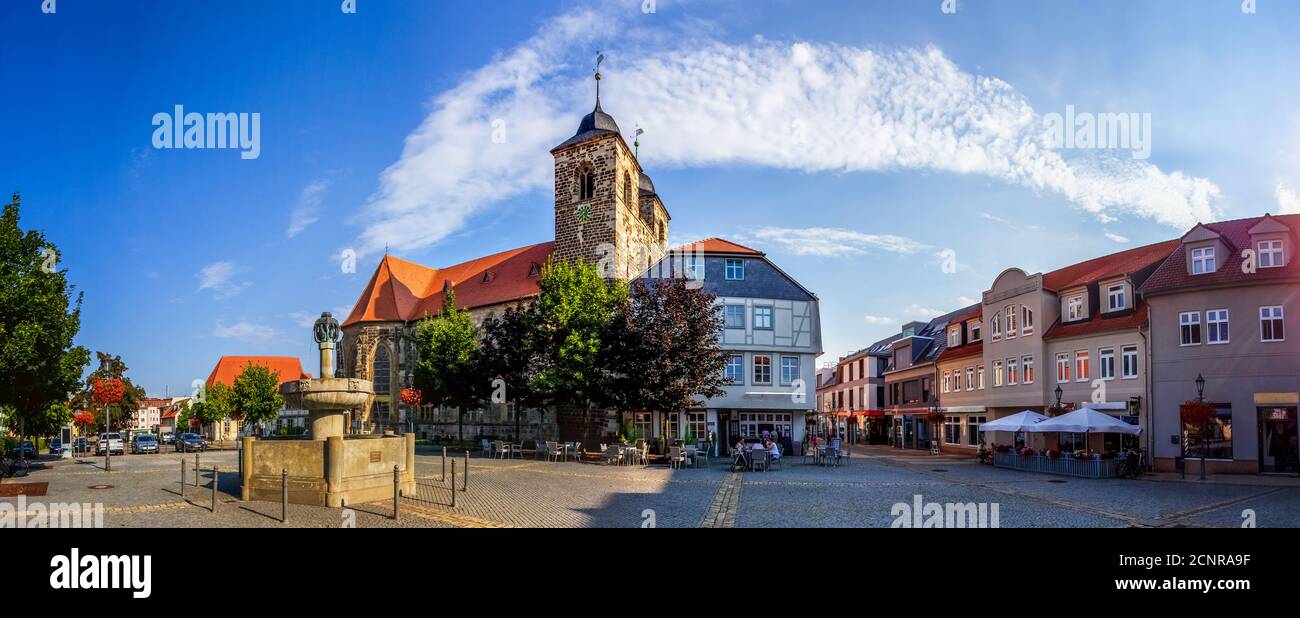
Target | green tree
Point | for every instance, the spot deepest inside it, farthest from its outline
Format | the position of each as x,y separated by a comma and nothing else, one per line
183,415
256,396
216,406
110,366
448,351
574,313
662,348
39,365
508,352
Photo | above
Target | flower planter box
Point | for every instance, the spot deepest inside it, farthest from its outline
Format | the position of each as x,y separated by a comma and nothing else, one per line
1066,466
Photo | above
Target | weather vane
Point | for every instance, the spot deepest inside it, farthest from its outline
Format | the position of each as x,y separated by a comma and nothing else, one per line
636,141
599,59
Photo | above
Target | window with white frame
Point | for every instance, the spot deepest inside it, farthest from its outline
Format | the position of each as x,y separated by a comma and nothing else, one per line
1062,368
997,327
1082,366
974,331
997,374
1027,364
1115,294
1012,322
1106,359
973,429
954,336
734,316
1203,261
979,372
952,430
1216,326
763,317
1074,308
1270,254
1026,320
1189,324
1270,324
956,380
697,425
789,370
970,378
1130,362
1013,372
735,370
947,381
762,369
735,270
695,267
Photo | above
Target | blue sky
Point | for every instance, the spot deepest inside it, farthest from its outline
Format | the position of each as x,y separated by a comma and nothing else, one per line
853,141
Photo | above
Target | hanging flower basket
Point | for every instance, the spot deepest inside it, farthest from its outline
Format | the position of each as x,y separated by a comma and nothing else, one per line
1197,413
83,418
107,391
412,396
1054,411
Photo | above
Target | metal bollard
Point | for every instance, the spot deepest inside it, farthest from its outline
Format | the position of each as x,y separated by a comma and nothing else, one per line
215,478
182,478
453,484
196,469
284,495
397,479
465,485
444,466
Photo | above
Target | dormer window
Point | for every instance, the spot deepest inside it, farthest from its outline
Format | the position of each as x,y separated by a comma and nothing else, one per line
735,269
1270,254
954,337
1203,261
974,331
487,276
1074,308
534,270
1115,294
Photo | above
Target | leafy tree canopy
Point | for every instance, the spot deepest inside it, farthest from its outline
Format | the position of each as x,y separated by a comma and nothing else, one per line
256,396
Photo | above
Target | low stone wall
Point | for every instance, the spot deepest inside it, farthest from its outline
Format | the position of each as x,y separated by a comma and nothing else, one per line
329,472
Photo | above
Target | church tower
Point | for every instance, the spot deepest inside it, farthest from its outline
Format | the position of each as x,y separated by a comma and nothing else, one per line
606,208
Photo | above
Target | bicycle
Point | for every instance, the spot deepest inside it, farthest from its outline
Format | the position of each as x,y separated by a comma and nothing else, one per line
1130,467
12,467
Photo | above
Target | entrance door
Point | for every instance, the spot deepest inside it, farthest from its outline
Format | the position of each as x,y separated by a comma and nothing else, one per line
1277,440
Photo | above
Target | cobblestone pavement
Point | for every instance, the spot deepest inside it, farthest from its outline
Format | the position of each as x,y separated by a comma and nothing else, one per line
143,491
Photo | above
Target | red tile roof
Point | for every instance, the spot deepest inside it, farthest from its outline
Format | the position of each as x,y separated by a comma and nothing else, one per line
970,349
1127,320
719,245
405,291
1172,274
1113,265
228,368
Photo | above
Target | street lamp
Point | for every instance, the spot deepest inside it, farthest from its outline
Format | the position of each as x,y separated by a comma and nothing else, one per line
1205,425
1059,392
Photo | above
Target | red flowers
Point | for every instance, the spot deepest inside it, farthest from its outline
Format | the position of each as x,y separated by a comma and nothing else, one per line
412,396
84,418
1197,413
108,391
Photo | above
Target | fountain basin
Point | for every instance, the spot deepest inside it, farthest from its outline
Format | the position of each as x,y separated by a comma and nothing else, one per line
327,394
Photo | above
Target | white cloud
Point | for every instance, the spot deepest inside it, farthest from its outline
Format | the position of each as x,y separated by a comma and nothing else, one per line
1115,237
878,320
304,319
307,210
832,242
917,311
1287,202
218,277
966,301
806,106
244,331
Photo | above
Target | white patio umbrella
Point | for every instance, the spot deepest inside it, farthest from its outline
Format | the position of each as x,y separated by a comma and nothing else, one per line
1086,420
1020,421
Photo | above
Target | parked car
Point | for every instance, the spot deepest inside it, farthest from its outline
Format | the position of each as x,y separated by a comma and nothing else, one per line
80,445
169,438
56,447
190,442
144,443
24,449
111,442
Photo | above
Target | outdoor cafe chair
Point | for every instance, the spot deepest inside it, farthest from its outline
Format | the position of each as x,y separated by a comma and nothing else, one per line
775,461
577,451
832,457
516,450
810,453
553,451
676,457
702,452
613,454
847,455
758,460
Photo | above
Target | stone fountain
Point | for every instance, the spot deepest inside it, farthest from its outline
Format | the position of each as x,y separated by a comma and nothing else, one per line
328,468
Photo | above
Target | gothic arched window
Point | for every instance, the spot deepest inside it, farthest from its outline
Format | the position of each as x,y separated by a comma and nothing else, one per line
382,371
586,182
629,192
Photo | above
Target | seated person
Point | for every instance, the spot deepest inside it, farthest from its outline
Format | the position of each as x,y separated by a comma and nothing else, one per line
773,449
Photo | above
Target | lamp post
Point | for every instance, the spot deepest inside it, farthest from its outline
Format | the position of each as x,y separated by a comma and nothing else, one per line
1205,425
